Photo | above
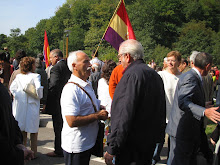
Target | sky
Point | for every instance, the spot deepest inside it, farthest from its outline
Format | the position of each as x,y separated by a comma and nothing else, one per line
25,14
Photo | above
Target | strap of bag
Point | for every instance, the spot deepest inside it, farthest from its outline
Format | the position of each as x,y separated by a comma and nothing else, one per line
87,94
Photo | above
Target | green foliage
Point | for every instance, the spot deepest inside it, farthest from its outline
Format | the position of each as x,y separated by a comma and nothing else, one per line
160,25
195,36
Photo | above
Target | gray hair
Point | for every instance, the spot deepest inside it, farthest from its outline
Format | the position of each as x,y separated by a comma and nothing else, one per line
72,58
133,47
38,63
202,60
97,67
193,56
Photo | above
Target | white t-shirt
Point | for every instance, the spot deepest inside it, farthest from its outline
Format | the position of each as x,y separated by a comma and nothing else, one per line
103,95
170,82
75,102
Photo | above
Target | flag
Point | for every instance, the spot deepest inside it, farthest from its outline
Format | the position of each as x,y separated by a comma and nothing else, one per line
119,28
46,50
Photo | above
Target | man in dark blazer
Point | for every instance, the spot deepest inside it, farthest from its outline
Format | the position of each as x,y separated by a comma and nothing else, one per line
185,126
138,110
59,75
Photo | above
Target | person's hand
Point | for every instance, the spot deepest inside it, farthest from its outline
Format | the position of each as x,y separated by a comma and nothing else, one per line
2,80
28,154
212,141
212,114
102,115
43,110
108,158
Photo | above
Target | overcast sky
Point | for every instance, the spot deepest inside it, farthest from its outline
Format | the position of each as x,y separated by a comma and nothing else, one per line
25,14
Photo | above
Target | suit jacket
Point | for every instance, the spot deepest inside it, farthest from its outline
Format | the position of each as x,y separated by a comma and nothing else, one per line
138,111
59,75
186,119
10,134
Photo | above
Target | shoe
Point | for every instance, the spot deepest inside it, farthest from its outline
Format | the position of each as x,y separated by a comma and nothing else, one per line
53,154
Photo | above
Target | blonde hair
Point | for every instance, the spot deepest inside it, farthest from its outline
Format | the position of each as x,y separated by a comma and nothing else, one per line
176,54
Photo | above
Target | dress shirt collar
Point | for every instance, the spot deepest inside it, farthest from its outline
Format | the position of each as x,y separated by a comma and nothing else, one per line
78,80
60,60
198,73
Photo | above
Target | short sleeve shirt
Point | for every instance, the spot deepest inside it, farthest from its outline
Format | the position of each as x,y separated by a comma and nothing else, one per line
75,102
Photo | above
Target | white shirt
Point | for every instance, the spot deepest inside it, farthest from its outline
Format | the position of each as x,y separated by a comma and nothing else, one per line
75,102
198,73
170,83
103,95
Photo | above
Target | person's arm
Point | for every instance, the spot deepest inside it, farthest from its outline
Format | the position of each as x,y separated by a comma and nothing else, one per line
187,89
71,107
185,100
54,80
112,84
39,88
78,121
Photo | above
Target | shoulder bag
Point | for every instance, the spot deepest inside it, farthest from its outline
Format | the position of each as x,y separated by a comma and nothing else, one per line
97,150
30,89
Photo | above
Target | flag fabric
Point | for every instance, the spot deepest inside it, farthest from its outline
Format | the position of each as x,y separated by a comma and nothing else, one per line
120,28
46,50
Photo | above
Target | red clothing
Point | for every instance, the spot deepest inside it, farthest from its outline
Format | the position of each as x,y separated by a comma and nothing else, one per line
114,79
217,74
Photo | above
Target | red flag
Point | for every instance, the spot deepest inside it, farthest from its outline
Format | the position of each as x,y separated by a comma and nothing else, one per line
46,50
120,28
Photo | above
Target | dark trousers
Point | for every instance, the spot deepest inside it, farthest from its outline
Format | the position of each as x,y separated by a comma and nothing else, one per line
81,158
132,157
182,152
57,127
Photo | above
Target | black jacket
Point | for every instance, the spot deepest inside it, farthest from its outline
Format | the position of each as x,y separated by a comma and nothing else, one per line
10,134
59,75
138,110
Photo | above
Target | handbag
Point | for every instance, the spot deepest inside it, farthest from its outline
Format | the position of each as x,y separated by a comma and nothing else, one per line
97,149
30,89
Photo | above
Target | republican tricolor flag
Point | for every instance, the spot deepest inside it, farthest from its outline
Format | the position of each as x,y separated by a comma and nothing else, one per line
46,50
119,28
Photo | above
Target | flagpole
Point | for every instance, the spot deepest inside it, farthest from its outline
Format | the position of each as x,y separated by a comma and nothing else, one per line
108,26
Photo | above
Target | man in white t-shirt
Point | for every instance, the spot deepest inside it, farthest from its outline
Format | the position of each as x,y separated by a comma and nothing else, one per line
80,125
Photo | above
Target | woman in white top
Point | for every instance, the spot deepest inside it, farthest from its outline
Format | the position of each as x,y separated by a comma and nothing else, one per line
103,85
103,91
170,77
25,107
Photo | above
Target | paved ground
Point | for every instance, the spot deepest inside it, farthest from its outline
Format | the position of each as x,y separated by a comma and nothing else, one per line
46,143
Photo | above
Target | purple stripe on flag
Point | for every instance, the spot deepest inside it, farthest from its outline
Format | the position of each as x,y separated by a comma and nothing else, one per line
113,38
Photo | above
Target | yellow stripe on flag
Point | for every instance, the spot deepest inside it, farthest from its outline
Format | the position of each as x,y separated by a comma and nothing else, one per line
119,26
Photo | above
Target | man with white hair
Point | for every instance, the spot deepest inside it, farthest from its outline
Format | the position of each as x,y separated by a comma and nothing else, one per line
80,126
192,58
138,110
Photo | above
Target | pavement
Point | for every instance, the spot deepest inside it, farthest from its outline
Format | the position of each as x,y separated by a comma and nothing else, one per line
46,144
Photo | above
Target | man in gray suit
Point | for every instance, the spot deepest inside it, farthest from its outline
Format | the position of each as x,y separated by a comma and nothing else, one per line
185,127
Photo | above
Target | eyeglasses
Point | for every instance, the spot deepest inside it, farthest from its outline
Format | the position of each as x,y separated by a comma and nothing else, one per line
119,55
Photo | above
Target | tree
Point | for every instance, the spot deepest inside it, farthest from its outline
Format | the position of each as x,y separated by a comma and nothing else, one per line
16,41
3,40
195,36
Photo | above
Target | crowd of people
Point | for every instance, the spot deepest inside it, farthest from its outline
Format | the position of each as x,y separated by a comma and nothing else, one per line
138,102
